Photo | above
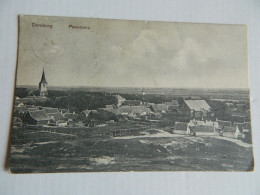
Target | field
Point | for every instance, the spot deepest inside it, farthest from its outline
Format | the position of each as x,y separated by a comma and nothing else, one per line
45,149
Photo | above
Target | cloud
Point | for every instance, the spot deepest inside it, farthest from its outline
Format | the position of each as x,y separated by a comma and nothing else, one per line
48,51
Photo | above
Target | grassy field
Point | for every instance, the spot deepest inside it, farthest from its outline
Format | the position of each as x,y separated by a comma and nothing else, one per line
92,149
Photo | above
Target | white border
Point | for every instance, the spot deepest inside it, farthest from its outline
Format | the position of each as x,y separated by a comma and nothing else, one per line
200,11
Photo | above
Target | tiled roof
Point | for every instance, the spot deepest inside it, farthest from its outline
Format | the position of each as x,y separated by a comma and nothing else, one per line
39,115
159,107
87,112
48,110
71,116
56,116
129,110
197,105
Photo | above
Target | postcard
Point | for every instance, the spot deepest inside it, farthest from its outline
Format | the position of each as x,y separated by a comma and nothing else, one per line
103,95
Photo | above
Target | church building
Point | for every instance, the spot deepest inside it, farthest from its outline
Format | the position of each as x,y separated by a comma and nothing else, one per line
43,85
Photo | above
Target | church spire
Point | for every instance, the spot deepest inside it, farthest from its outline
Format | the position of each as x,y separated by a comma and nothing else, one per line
43,80
43,85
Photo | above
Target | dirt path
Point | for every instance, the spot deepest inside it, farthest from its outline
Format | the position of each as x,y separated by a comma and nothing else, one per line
162,133
59,133
236,141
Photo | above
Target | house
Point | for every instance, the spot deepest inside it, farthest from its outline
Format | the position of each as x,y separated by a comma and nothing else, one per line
71,117
141,110
236,130
63,111
49,110
88,113
120,100
195,126
56,116
37,118
131,111
194,108
159,108
62,123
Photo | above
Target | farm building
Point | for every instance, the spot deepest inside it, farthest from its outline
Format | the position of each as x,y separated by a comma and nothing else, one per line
195,126
71,117
56,116
88,113
37,118
194,108
48,110
159,108
133,111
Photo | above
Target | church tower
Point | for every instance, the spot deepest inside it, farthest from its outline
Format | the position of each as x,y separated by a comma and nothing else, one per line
43,85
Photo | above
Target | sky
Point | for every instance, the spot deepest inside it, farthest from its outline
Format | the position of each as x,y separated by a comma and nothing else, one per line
121,53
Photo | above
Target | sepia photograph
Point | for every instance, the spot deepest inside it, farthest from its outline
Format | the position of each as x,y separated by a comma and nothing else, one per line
103,95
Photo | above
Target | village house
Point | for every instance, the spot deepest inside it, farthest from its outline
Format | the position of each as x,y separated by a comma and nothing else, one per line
87,113
236,130
195,127
173,106
37,118
131,111
57,119
159,108
71,117
201,127
49,110
194,108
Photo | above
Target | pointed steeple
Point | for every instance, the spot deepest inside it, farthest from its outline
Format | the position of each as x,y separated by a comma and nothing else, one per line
43,80
43,85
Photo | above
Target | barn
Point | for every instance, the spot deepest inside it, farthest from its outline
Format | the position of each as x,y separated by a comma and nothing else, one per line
194,108
37,118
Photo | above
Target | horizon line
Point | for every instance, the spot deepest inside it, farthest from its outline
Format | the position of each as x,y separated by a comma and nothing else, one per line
235,88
